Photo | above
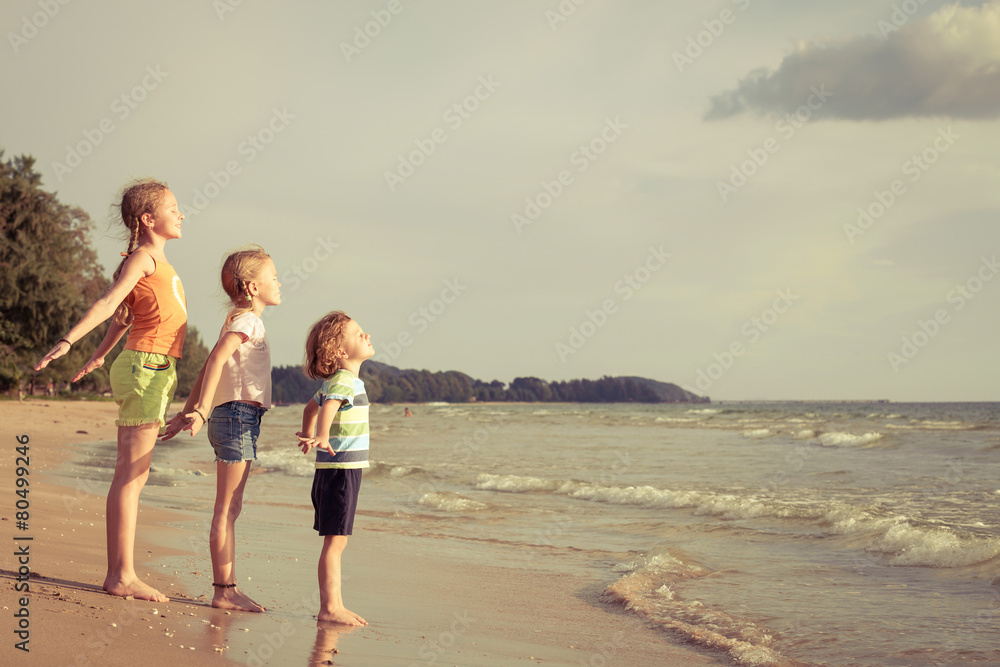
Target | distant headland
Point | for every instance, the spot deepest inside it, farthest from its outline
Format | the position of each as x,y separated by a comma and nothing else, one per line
388,384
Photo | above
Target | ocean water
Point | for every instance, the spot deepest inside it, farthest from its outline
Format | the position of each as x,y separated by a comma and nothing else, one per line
774,533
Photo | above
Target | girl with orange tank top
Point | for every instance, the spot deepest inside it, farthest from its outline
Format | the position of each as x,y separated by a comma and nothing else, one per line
146,296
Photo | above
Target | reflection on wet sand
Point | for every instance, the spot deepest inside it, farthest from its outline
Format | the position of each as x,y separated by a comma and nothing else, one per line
327,635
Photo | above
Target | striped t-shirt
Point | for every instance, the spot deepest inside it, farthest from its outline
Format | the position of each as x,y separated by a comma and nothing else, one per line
349,432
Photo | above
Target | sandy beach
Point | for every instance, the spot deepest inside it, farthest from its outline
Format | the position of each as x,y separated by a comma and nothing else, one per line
426,599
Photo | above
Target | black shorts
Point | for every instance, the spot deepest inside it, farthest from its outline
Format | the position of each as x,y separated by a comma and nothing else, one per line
335,498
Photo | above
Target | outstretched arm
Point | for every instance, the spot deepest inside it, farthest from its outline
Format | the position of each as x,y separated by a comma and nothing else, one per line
111,338
312,436
138,264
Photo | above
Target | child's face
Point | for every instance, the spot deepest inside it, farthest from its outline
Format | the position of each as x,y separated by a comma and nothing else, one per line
268,287
357,344
166,220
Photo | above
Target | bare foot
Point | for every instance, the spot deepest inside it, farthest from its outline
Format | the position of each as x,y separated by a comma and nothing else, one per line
230,598
134,588
343,615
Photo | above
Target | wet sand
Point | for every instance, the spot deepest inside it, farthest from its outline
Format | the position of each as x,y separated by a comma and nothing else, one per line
427,600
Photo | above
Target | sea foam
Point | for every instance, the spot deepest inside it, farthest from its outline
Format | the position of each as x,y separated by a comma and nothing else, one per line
886,532
935,547
649,588
450,502
837,439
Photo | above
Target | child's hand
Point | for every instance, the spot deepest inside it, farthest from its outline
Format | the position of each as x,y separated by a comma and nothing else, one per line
194,422
61,348
91,365
307,442
176,424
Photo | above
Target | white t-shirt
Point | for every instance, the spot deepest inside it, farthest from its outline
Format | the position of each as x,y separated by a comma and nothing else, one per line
247,374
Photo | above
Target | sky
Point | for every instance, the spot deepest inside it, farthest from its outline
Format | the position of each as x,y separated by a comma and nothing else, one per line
753,199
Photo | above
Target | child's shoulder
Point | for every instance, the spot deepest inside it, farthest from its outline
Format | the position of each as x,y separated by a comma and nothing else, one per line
244,321
342,384
342,376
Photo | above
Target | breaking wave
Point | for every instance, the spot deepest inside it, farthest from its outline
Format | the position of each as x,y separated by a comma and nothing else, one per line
903,539
649,589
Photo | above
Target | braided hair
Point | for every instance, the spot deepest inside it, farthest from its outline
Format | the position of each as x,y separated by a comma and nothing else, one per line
138,198
238,271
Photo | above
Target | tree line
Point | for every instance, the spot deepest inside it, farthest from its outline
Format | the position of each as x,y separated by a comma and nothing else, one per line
388,384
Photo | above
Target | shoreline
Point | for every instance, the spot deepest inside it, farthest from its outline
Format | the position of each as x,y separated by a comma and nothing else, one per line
427,599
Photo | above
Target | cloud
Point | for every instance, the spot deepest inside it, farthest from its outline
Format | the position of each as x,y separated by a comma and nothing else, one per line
947,64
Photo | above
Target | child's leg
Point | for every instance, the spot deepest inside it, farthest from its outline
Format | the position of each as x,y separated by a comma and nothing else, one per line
135,449
331,600
231,480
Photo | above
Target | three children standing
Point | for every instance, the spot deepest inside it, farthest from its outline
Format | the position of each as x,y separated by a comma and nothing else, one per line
230,395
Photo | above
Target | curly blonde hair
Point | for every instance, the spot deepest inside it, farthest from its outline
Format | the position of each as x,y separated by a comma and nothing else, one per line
325,339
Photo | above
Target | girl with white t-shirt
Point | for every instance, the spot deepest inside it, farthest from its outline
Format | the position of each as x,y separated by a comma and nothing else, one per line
236,383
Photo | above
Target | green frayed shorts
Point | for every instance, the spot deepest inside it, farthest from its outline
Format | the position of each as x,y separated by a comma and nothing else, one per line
143,384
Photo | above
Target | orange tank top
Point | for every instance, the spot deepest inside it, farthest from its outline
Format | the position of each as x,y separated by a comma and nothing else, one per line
159,313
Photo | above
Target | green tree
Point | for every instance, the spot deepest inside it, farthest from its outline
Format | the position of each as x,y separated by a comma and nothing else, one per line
49,276
193,357
290,385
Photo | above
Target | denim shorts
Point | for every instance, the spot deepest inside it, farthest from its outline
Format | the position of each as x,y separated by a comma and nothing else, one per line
233,429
